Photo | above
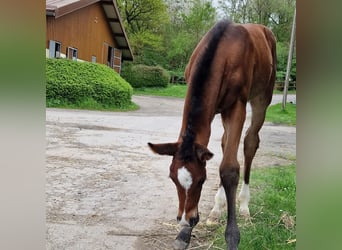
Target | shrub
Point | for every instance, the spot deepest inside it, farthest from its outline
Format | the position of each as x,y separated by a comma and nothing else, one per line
74,82
177,77
145,76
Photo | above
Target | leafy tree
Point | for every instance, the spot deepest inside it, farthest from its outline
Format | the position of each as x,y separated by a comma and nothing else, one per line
236,10
147,47
165,32
176,8
144,20
276,14
143,15
183,35
281,19
180,49
200,19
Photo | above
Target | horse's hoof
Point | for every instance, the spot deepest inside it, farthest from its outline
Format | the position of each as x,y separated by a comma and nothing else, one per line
179,244
244,212
183,238
212,222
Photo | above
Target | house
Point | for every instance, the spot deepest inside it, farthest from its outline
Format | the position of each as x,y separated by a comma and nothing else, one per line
86,30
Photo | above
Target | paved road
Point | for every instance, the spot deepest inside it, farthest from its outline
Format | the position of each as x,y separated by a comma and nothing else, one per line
106,190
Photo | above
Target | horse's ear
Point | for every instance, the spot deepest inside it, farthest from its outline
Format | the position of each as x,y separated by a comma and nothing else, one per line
164,148
203,153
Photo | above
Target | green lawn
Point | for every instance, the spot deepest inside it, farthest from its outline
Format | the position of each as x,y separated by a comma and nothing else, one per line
89,104
173,90
274,112
177,90
276,115
273,212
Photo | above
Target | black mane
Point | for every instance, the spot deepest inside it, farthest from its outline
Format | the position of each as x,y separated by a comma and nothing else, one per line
198,81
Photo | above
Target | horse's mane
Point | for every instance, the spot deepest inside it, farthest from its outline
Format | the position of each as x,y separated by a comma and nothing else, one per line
198,80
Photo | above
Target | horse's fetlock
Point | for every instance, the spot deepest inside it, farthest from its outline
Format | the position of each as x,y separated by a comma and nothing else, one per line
232,236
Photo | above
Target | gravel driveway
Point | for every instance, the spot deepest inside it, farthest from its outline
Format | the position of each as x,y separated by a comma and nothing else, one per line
106,190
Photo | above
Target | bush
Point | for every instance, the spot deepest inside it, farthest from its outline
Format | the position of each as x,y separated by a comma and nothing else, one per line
145,76
74,82
177,77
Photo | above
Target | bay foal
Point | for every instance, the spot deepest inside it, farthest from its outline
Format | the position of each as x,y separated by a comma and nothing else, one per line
232,64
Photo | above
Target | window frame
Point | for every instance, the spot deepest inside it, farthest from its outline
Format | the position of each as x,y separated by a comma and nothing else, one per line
73,51
55,49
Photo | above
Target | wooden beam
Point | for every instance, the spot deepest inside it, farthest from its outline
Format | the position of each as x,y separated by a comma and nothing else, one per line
123,47
115,20
119,34
108,2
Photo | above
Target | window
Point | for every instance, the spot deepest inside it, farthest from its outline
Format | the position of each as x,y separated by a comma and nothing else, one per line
71,53
93,59
110,57
54,49
117,60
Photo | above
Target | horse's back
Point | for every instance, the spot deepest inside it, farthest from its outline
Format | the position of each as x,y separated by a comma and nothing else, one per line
243,66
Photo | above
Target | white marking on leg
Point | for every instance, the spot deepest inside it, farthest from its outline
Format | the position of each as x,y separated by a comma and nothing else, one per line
184,178
220,199
244,197
183,221
219,206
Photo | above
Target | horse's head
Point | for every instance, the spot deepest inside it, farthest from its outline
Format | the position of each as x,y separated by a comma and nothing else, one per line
188,173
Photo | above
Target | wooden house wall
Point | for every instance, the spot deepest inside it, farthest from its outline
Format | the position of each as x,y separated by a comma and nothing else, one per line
86,29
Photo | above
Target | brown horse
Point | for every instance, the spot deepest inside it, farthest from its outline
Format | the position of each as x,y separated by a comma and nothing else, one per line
232,64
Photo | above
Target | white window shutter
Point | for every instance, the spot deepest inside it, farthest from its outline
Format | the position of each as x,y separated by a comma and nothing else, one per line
52,48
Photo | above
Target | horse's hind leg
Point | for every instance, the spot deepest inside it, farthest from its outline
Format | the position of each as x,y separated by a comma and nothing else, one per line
220,197
251,144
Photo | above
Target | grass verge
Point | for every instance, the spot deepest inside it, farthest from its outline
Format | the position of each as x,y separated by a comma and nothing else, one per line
173,90
276,115
273,212
89,104
177,90
293,92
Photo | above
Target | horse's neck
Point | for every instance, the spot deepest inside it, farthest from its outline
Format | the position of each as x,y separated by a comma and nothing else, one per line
201,125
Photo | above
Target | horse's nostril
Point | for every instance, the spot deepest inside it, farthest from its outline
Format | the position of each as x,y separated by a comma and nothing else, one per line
179,218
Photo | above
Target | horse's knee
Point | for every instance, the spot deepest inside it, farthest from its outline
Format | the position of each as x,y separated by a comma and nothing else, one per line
230,175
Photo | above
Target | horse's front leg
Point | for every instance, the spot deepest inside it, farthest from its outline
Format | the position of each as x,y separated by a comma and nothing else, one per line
183,238
230,169
230,180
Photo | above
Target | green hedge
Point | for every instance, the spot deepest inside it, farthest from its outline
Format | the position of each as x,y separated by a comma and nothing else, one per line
145,76
73,82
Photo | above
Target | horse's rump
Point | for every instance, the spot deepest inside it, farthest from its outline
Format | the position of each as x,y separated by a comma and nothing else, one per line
241,65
